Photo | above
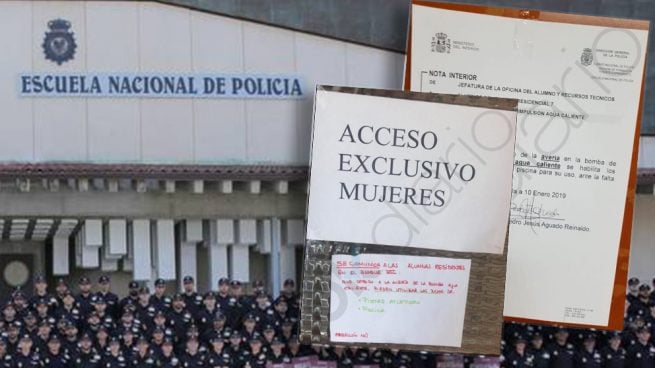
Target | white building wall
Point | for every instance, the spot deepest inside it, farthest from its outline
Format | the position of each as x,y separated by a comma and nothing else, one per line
132,37
642,252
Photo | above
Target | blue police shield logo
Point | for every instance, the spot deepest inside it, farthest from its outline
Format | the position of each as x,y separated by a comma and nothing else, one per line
59,43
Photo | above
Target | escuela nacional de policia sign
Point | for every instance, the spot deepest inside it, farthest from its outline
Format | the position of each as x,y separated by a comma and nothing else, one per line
59,46
160,85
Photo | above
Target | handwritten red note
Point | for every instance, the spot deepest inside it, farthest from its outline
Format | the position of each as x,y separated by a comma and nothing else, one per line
371,293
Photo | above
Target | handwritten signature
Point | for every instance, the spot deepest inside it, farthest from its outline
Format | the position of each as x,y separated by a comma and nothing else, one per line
529,210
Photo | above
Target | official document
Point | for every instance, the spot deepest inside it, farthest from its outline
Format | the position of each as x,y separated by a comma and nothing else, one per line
579,81
371,292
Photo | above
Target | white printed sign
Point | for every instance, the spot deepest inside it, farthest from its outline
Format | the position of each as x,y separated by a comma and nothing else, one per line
398,299
405,172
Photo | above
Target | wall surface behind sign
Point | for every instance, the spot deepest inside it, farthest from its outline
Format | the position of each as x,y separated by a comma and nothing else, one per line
132,37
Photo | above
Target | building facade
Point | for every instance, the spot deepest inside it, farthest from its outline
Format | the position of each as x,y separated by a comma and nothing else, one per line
99,175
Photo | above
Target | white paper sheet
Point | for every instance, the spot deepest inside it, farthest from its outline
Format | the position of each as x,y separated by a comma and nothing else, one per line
580,87
361,192
380,298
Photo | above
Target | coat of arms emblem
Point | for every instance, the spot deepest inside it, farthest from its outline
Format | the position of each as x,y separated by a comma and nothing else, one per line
59,43
587,57
440,43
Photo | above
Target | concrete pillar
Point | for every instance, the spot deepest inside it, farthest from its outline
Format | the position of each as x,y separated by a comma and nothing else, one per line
117,237
164,244
60,264
221,234
275,256
293,235
246,231
141,242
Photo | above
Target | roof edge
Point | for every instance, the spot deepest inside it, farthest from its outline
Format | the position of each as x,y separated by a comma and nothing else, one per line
152,171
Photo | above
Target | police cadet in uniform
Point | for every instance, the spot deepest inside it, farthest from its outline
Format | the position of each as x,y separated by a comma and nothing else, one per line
218,328
167,358
159,300
343,359
30,325
114,357
248,331
589,356
192,299
541,357
192,356
223,295
257,358
642,353
132,297
13,337
54,357
633,290
68,310
128,342
83,299
276,354
289,293
145,310
20,303
179,317
60,288
263,312
519,357
640,306
613,354
235,309
42,335
237,350
43,311
562,353
41,292
218,356
25,357
143,357
111,299
157,338
6,359
87,356
205,314
128,322
70,340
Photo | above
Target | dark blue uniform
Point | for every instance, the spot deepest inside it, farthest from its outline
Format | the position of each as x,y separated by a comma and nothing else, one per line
170,361
143,361
115,361
641,356
586,359
90,359
61,360
193,303
517,360
613,358
30,360
541,358
561,356
196,360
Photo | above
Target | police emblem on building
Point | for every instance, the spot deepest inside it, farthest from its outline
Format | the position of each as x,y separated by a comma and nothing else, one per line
587,57
440,43
59,43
